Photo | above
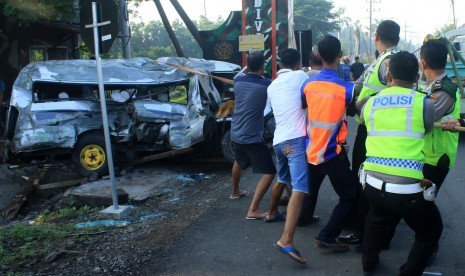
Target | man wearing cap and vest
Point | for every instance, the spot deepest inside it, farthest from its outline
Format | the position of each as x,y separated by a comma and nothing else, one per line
369,84
440,146
327,97
397,119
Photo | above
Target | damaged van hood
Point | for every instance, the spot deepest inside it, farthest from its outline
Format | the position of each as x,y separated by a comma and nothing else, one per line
117,71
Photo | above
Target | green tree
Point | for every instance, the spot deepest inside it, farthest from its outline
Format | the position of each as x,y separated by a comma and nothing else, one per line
206,24
187,41
23,12
444,29
151,39
315,15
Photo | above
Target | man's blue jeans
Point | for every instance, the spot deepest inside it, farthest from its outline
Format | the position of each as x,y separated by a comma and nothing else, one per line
292,164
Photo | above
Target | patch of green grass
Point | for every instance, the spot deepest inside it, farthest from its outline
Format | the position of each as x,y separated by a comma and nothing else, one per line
51,231
21,242
64,213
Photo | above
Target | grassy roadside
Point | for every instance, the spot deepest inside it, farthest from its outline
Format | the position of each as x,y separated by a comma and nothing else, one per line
50,232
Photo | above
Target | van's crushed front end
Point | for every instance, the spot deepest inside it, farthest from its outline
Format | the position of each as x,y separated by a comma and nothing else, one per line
151,106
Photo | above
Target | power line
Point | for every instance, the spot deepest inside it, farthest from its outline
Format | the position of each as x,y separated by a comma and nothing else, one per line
407,27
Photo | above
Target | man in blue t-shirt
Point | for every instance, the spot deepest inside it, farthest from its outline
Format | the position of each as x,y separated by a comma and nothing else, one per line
247,127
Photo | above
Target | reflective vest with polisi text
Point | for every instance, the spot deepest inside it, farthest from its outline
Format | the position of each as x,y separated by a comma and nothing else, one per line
372,84
395,126
441,146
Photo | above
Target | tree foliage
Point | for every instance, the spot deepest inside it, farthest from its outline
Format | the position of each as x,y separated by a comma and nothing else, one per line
444,29
316,15
151,39
23,12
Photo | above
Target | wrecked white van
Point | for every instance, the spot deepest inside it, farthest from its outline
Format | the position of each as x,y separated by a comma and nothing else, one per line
152,107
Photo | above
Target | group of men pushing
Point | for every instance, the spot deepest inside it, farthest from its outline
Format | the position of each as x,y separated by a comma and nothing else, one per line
399,160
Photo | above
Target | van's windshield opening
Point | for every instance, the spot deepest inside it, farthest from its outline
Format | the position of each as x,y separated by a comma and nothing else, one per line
52,91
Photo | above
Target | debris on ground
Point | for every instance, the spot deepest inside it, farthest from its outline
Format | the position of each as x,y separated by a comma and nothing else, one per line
165,207
102,223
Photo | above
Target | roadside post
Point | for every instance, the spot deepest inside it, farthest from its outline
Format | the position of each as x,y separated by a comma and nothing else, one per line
115,209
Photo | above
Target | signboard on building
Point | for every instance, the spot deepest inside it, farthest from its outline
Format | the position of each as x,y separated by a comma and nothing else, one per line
250,43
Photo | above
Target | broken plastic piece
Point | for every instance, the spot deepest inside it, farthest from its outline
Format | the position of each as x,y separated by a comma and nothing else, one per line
105,223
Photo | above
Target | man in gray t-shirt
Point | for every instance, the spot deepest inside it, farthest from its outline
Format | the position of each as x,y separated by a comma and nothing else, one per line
247,124
247,128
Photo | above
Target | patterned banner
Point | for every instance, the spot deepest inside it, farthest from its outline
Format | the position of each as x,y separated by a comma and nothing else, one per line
259,19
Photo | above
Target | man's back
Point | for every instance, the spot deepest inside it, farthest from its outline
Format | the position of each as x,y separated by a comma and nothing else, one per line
327,98
357,69
247,121
286,102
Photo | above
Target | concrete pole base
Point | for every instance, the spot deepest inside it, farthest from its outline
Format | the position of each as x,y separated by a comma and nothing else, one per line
122,211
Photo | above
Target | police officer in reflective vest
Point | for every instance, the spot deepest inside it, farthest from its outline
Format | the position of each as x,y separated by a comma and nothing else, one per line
373,81
440,146
397,119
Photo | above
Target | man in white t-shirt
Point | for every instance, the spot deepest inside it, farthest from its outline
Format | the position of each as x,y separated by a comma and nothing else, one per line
289,145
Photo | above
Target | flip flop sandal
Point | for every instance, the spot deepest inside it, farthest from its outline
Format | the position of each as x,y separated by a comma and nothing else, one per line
287,250
278,217
240,195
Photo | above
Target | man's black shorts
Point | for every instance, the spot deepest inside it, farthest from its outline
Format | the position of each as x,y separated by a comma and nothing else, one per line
257,155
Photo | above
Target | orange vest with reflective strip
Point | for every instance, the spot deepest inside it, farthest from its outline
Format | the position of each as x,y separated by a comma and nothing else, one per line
327,99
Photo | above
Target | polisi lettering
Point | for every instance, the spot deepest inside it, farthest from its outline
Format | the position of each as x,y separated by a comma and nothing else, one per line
391,101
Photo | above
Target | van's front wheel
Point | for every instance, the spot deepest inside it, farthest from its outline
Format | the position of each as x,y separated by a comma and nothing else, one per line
89,155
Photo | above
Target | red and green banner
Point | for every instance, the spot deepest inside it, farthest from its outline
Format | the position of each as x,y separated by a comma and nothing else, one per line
273,19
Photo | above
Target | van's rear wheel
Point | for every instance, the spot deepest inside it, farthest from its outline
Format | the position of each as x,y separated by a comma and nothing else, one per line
89,155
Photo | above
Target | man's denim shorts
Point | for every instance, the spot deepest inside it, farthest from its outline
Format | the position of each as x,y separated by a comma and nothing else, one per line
292,164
